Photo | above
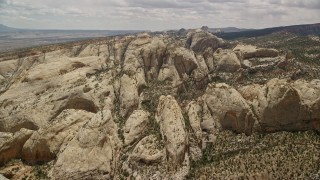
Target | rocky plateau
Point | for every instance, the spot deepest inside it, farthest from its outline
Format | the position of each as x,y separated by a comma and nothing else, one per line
159,106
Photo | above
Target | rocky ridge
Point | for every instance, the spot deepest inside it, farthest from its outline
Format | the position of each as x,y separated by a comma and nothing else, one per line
142,106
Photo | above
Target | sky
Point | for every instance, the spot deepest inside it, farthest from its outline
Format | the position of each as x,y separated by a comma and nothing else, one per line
156,14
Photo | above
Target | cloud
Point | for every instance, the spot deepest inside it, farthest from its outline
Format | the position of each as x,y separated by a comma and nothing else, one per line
3,3
309,4
156,14
26,18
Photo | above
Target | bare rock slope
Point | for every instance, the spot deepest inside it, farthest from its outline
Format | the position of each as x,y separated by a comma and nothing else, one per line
154,106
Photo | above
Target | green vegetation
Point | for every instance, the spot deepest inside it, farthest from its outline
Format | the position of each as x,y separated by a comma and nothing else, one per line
303,48
283,154
301,30
40,173
16,168
152,93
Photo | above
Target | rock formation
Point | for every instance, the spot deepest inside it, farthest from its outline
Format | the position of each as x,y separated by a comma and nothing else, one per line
92,153
281,105
229,109
172,129
155,106
135,126
226,60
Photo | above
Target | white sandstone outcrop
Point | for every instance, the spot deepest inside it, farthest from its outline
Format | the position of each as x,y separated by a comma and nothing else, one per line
172,128
226,60
228,108
135,126
92,153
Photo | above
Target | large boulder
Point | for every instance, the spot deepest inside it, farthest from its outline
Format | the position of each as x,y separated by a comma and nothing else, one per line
205,126
133,79
179,63
283,110
194,113
249,51
184,61
172,128
147,150
255,96
129,97
132,60
310,96
226,60
199,40
92,153
169,73
229,108
11,144
135,126
281,105
153,56
202,70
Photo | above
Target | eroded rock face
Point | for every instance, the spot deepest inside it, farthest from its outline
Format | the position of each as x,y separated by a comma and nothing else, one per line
92,153
255,97
11,144
129,97
184,61
228,107
16,122
45,143
153,56
135,126
200,40
146,150
172,128
75,101
283,108
226,60
178,64
194,114
22,106
249,51
309,93
281,105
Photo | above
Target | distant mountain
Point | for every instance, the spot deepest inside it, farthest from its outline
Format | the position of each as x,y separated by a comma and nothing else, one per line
14,38
4,28
303,30
227,30
184,31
